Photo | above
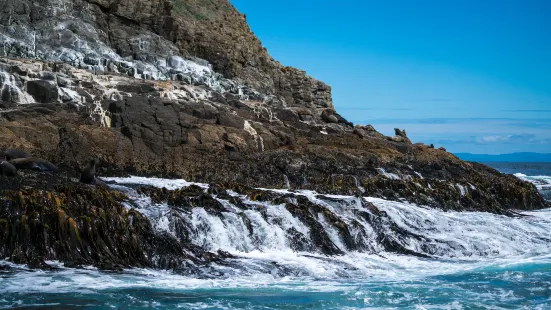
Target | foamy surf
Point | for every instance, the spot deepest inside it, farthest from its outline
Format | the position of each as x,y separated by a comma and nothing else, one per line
476,260
541,181
398,281
446,234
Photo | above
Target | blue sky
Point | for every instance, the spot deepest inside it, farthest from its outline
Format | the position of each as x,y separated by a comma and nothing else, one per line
471,75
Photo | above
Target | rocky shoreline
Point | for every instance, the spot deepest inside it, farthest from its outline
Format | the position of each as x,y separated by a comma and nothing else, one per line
137,127
52,217
139,101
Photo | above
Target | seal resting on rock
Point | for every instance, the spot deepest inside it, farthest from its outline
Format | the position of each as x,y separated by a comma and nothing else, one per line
11,154
7,169
33,163
88,174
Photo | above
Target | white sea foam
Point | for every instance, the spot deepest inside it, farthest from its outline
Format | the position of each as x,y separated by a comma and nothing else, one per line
388,175
462,189
459,235
470,235
463,243
541,181
170,184
313,273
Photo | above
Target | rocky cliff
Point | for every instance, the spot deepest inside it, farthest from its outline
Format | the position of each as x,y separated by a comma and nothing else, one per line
184,89
140,38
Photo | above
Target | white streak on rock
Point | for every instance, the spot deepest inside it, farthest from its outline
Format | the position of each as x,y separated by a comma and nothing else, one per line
257,138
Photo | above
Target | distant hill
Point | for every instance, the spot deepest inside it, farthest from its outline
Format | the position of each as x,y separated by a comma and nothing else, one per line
525,157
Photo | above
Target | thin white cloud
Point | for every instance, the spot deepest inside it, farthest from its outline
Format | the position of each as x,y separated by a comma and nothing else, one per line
513,139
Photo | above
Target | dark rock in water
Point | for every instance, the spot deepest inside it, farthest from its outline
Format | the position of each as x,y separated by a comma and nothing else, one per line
32,163
7,169
10,154
88,174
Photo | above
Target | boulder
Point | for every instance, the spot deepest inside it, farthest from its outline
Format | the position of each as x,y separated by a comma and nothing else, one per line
230,120
43,91
401,136
329,117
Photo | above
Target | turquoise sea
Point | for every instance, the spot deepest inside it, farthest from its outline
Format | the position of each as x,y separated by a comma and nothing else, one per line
480,261
515,284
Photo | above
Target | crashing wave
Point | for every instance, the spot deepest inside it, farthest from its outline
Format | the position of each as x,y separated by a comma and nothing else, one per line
269,235
542,183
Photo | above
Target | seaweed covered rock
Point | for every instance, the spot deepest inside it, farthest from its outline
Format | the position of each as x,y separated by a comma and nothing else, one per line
82,225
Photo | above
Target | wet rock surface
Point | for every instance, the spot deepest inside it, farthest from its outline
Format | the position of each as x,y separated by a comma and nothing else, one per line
116,225
44,217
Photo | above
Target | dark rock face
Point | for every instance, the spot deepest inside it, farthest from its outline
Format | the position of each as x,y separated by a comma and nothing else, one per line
43,91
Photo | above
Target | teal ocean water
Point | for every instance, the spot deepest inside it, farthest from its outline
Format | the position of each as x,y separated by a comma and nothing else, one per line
513,284
479,261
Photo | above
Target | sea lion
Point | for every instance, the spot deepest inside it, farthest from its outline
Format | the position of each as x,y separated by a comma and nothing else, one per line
33,163
13,154
88,174
7,169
